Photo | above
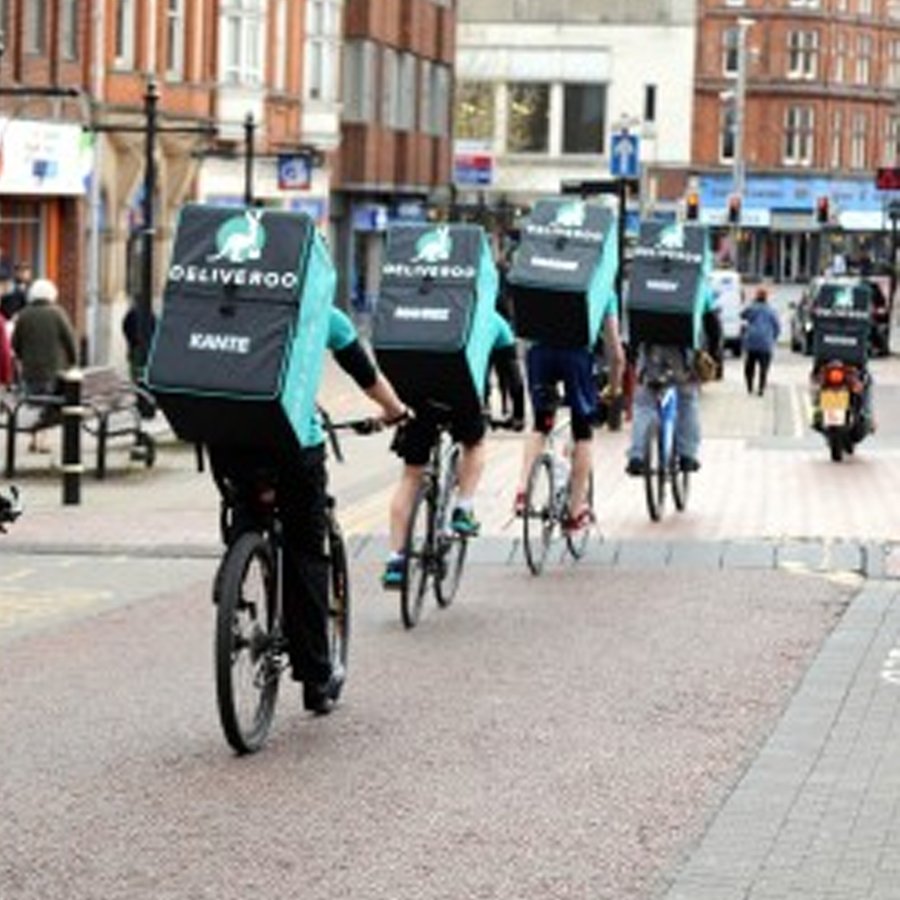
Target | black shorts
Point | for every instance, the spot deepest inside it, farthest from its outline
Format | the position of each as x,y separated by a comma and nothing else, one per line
419,434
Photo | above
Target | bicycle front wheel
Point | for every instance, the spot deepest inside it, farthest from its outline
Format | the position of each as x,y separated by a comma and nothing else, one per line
338,602
417,559
247,655
451,548
539,517
654,472
680,480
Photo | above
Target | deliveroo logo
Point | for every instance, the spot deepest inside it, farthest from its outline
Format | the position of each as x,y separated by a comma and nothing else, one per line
240,239
434,246
570,215
672,237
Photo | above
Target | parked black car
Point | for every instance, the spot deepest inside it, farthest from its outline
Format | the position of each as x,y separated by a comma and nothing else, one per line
821,292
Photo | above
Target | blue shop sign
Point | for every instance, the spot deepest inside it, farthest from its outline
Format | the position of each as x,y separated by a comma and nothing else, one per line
768,192
370,217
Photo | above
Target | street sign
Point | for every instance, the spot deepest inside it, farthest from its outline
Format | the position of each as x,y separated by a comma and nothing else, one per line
473,169
293,172
624,155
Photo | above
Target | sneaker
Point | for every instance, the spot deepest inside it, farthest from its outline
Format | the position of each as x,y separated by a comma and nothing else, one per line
635,466
320,697
519,504
689,464
392,577
583,519
464,522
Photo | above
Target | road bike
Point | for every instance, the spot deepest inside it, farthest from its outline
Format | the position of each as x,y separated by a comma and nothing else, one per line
546,505
432,551
251,646
661,463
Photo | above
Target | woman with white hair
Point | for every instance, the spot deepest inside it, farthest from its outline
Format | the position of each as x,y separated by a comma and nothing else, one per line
44,344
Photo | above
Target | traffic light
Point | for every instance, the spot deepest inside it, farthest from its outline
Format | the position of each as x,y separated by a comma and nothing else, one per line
822,210
692,207
734,209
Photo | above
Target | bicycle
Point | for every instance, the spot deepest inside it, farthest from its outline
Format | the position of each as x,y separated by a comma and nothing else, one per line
546,505
251,646
661,464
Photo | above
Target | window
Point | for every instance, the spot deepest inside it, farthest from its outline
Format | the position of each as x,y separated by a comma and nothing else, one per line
798,135
279,50
803,52
837,139
440,101
584,118
323,19
893,71
407,113
68,29
359,81
175,39
840,57
858,132
727,132
863,58
810,4
730,42
864,7
475,110
390,87
892,141
840,5
243,35
35,26
124,41
528,118
649,102
893,9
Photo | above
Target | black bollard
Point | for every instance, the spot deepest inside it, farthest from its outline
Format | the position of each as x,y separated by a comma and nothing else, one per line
72,412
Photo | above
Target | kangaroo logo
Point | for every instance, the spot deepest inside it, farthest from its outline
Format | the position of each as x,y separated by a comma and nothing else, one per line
571,215
672,237
434,246
240,239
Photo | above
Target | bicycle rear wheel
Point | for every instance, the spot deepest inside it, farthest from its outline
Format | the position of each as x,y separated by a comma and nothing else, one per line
451,548
577,542
417,559
539,517
338,602
654,472
247,651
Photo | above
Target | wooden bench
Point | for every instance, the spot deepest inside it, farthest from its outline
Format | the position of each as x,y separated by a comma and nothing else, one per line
112,407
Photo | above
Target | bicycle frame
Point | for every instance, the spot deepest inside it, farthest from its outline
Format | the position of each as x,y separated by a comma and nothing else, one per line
667,411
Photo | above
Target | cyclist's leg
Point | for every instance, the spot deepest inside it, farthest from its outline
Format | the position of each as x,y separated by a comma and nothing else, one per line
544,401
581,398
418,436
643,411
302,501
687,426
468,430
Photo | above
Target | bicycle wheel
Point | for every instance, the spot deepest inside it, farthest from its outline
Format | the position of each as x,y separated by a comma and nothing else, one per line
417,558
680,484
247,655
539,517
338,601
451,548
577,542
654,472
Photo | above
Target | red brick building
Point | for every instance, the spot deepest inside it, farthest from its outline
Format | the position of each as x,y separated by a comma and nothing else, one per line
820,115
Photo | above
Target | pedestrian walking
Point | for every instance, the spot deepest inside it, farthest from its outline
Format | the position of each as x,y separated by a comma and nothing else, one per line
44,344
760,333
13,301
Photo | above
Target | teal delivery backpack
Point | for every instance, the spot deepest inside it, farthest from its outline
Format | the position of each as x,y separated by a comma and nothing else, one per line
433,326
237,356
562,277
668,284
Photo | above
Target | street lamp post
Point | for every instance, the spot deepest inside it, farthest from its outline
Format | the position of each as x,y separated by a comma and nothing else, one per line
739,101
145,304
249,128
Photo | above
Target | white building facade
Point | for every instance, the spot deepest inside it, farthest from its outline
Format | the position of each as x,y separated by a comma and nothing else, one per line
546,87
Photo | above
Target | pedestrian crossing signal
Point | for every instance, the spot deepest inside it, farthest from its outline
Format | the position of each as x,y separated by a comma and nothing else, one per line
692,207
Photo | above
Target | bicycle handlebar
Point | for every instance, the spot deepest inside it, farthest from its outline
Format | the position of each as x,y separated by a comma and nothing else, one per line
366,425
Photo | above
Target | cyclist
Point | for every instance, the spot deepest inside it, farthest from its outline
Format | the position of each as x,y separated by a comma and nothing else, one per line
417,437
301,487
547,367
689,366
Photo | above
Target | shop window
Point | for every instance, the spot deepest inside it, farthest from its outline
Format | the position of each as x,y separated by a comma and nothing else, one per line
528,128
584,119
475,111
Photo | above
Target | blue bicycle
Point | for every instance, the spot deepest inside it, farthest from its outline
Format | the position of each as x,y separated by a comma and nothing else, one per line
661,463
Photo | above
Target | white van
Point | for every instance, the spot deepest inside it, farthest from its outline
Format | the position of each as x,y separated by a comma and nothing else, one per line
728,299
